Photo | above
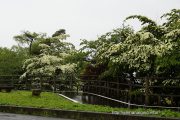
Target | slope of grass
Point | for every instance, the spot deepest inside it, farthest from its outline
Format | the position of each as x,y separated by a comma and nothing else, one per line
54,101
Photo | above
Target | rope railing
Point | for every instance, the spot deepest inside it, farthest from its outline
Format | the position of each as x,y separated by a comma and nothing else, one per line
135,105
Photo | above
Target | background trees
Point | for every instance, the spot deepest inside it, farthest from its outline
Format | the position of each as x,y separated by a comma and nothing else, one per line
11,60
154,50
48,54
151,51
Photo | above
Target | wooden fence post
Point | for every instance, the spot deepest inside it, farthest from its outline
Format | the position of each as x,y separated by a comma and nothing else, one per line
55,77
159,100
12,81
117,89
41,82
129,93
146,91
107,88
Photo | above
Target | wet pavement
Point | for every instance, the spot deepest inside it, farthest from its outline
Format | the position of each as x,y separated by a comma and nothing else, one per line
10,116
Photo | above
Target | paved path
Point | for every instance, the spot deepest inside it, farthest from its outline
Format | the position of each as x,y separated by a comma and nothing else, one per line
9,116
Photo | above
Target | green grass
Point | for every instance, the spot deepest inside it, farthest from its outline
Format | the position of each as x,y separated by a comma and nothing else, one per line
54,101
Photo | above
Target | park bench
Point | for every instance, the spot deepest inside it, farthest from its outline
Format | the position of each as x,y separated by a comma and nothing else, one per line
6,88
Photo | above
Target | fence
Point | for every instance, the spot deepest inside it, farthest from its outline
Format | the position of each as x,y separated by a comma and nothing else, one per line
133,91
45,83
130,91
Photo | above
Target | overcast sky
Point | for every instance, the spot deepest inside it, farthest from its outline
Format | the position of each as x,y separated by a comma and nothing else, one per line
82,19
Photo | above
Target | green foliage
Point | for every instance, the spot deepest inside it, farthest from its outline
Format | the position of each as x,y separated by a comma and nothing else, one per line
49,55
96,50
149,26
143,19
78,58
172,19
116,36
42,65
11,60
169,64
27,38
138,51
59,32
154,50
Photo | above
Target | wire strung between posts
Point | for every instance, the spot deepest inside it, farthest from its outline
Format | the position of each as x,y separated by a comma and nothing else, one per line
130,104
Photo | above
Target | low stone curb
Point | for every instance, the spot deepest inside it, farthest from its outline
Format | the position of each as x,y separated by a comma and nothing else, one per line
72,114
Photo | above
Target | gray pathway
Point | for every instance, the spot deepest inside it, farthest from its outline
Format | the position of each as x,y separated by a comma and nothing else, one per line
9,116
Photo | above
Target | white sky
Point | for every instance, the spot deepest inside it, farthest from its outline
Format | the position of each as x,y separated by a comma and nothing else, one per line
82,19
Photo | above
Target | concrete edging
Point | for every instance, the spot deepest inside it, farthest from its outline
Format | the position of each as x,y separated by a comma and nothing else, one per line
72,114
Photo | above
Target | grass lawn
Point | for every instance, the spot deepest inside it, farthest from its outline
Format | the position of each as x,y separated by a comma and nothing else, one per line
54,101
